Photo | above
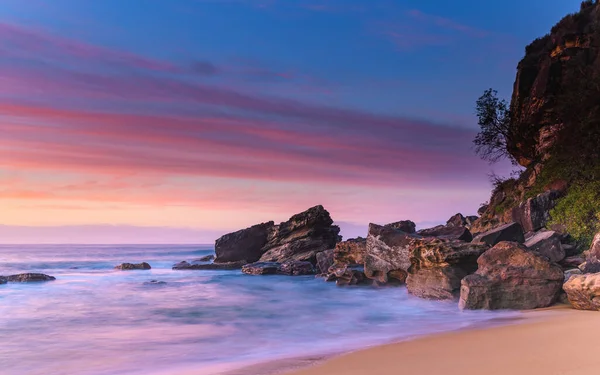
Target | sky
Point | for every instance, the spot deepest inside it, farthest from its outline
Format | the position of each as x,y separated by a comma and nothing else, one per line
179,120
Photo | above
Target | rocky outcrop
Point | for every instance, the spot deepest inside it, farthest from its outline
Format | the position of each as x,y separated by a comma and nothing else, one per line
450,232
352,251
29,278
387,250
593,254
534,213
509,232
353,275
548,244
459,220
210,266
296,268
438,266
583,291
510,276
246,245
261,268
324,261
206,258
302,237
406,226
132,266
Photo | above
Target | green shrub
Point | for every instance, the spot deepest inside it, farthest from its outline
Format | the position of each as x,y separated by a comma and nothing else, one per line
579,212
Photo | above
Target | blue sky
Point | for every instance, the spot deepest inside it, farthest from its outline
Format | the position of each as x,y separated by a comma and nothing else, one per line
288,104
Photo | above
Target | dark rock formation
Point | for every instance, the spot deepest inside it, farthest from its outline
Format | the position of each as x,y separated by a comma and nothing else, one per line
570,273
482,209
510,276
302,237
261,268
132,266
206,258
449,232
296,268
548,244
350,252
29,278
457,220
210,266
324,260
244,245
155,282
406,226
572,262
387,250
583,291
508,232
534,213
3,280
437,266
353,275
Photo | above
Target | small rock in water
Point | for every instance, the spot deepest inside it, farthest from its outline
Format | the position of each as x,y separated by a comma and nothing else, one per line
3,280
155,282
29,277
206,258
131,266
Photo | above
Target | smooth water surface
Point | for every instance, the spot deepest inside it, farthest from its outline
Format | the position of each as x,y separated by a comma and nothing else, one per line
96,320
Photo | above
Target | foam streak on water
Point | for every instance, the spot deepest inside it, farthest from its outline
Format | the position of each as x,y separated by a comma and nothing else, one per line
94,320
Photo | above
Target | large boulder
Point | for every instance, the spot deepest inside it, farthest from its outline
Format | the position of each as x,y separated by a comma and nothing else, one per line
438,266
244,245
512,232
548,244
29,278
209,266
583,291
387,250
133,266
510,276
352,251
302,237
448,232
406,226
534,213
324,261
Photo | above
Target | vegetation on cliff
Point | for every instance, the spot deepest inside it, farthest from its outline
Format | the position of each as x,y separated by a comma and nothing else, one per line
552,126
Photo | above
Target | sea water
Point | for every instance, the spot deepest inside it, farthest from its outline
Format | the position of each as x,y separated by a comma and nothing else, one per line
95,320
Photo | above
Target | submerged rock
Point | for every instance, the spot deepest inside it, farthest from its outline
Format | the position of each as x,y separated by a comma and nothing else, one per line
29,277
387,250
438,266
155,282
209,267
244,245
548,244
510,276
583,291
302,237
509,232
132,266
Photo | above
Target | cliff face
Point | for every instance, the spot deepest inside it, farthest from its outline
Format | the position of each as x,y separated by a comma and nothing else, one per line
557,69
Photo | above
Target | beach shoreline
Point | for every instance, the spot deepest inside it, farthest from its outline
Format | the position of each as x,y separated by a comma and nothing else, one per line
526,344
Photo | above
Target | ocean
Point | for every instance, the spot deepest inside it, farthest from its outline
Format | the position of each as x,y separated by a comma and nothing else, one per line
94,320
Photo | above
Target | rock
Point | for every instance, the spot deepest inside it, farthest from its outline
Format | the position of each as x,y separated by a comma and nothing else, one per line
590,266
296,268
548,244
244,245
397,276
29,277
406,226
206,258
570,262
448,232
353,275
457,220
482,209
534,213
350,252
387,250
261,268
3,280
510,276
438,266
302,237
131,266
593,254
471,220
583,291
570,273
570,249
209,267
508,232
325,260
155,282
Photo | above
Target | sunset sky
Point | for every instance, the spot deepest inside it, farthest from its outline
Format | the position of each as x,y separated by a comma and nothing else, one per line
198,117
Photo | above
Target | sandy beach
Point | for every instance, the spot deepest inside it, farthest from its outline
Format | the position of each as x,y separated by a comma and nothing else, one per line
559,341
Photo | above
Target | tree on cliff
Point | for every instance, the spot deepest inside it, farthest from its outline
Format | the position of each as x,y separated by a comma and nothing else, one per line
494,120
